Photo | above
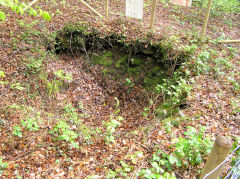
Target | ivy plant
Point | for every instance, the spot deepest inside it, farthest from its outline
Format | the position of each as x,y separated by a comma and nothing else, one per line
22,7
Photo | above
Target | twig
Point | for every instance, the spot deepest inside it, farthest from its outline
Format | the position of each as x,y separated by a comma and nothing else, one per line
30,4
54,90
71,45
86,52
149,150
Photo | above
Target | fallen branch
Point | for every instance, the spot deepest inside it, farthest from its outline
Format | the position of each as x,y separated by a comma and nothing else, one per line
30,4
91,8
229,41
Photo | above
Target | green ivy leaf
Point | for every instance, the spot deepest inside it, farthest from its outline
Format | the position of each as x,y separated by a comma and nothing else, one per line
3,3
2,75
178,163
2,16
172,159
198,158
40,12
46,16
21,10
14,8
33,12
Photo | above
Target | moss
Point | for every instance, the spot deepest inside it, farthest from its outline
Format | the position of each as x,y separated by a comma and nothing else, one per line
134,71
136,61
154,77
104,71
105,59
75,38
108,54
121,61
155,70
120,68
140,58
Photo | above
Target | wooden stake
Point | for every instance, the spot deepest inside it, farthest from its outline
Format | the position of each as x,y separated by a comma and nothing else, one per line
204,28
106,8
229,41
91,8
153,14
221,148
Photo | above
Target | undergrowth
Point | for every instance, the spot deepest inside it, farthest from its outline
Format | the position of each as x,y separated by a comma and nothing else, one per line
66,127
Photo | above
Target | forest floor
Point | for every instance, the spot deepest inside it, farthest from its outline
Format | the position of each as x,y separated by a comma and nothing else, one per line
31,114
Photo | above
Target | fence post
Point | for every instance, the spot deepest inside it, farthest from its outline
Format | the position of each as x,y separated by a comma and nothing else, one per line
106,8
221,149
153,11
205,22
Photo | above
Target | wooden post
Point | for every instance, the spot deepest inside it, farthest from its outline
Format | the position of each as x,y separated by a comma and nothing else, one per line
188,3
91,8
106,8
153,14
221,149
204,28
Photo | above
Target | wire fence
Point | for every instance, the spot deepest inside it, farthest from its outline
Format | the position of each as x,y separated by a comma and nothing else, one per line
235,171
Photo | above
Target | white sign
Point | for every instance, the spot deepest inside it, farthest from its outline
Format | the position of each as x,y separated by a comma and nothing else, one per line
187,3
134,8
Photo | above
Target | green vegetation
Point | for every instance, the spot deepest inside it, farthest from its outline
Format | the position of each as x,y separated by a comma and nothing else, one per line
61,80
69,128
187,151
112,124
105,59
226,6
3,165
174,94
21,7
64,133
17,131
121,67
237,154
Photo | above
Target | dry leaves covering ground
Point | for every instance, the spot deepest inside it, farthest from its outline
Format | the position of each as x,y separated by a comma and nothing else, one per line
37,155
